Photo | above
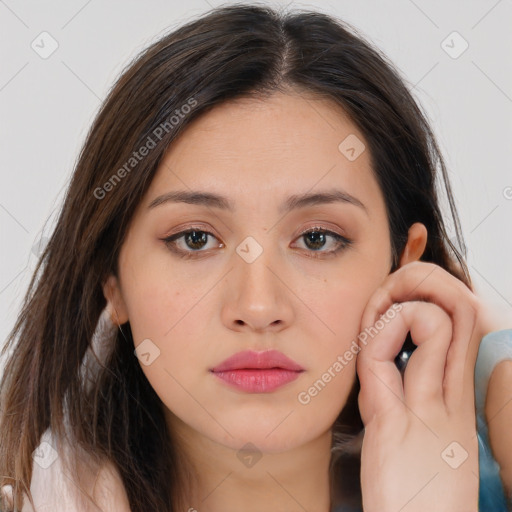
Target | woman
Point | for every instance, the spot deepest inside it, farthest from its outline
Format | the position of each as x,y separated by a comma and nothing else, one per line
250,234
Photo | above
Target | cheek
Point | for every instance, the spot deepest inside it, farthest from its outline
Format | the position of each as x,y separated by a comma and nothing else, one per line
174,312
342,307
340,303
176,322
159,300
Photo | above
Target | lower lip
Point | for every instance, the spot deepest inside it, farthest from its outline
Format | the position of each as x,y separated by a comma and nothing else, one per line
258,381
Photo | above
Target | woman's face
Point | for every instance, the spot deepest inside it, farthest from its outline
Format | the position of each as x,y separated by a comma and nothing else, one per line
248,279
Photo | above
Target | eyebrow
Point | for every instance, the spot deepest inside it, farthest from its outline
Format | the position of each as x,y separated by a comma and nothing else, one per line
292,202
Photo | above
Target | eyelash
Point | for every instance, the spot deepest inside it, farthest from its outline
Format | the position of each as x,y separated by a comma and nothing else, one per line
343,242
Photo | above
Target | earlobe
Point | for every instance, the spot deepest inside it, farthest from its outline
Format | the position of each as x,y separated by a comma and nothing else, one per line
416,243
115,303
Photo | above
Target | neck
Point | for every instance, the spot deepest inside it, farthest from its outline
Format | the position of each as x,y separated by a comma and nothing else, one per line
223,479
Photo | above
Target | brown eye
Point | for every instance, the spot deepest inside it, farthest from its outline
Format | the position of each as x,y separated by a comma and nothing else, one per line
195,239
317,239
189,241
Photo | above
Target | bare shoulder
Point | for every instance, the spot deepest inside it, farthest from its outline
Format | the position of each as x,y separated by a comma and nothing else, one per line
499,391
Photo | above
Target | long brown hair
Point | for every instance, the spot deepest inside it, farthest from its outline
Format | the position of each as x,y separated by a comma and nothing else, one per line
235,51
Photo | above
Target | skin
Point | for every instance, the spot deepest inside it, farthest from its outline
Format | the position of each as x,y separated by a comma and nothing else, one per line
201,310
498,412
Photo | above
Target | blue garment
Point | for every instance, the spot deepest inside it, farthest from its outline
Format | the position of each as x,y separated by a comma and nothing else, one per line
494,348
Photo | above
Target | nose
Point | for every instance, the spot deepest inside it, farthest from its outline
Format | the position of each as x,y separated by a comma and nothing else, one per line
258,296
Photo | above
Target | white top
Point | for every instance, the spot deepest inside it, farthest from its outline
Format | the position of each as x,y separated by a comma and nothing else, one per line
53,490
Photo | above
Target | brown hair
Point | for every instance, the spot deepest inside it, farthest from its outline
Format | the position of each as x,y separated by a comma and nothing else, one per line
230,52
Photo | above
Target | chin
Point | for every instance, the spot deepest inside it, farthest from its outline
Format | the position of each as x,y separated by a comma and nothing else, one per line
270,435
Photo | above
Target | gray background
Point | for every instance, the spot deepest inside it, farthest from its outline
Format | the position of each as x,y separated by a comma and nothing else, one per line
47,106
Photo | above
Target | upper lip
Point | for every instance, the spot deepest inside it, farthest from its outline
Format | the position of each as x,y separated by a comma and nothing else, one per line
258,360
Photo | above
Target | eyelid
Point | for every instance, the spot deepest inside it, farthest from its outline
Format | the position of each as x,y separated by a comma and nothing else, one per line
318,227
190,227
187,229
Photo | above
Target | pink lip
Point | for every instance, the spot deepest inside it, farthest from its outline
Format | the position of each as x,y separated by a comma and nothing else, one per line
258,372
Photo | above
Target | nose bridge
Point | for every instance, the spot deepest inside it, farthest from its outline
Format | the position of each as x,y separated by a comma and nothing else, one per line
258,299
253,260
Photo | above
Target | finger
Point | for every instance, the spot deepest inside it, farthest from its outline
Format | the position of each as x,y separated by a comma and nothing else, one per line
426,281
460,366
431,331
380,379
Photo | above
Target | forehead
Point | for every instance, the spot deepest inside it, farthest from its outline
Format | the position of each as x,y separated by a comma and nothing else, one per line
287,143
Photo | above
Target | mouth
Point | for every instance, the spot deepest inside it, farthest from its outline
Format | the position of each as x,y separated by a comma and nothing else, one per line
258,372
257,380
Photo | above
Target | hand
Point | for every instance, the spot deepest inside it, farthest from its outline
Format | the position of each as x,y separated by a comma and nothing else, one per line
420,450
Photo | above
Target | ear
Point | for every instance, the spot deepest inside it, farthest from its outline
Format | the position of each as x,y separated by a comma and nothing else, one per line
115,302
416,243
